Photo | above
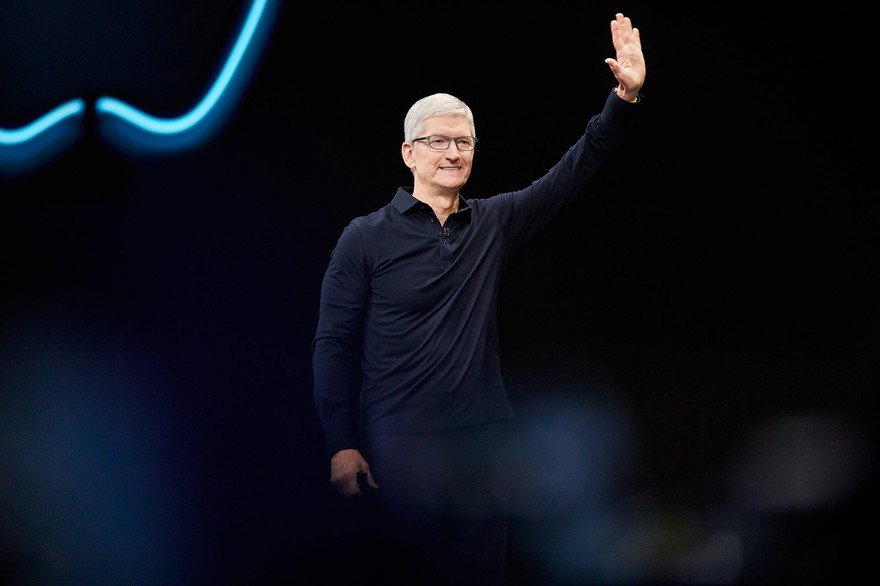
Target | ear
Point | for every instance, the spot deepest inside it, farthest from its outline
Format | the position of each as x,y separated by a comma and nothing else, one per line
406,151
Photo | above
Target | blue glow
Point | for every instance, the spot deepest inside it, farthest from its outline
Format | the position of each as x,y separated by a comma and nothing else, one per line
40,125
188,122
24,149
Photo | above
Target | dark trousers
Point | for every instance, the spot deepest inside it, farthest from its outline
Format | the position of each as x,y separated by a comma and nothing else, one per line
443,503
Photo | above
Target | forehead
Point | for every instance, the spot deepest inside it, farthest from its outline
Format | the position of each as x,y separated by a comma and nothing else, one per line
449,125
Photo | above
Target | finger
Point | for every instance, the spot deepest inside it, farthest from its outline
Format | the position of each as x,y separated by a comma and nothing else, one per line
347,485
623,26
621,31
636,38
365,480
613,64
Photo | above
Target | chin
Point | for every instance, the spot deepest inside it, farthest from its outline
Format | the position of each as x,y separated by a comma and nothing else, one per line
458,184
455,187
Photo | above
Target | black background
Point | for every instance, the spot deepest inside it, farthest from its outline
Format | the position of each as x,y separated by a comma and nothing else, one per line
156,417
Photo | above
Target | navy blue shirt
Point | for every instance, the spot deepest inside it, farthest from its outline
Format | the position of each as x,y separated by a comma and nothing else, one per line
416,303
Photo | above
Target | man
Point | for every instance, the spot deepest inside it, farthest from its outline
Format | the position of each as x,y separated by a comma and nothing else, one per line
411,292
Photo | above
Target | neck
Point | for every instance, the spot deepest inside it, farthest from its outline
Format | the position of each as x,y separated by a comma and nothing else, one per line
444,204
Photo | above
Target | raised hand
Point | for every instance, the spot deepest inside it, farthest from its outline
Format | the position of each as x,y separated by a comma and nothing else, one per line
629,66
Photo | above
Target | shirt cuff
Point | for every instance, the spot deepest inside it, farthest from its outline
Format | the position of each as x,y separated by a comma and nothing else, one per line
341,439
618,113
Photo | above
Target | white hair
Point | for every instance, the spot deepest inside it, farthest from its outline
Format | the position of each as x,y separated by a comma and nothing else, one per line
431,106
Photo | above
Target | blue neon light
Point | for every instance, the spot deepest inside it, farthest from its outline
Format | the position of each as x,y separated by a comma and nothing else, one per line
26,148
40,125
174,126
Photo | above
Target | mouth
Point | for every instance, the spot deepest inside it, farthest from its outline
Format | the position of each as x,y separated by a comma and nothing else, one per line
450,168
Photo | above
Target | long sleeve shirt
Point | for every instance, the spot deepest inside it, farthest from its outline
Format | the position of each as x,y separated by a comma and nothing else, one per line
416,304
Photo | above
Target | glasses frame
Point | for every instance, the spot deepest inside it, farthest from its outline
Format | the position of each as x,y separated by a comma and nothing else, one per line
451,139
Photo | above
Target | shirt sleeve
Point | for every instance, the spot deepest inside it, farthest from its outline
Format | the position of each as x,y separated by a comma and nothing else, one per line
525,212
336,346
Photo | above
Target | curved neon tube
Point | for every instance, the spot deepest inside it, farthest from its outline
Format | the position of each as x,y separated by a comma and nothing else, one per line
170,126
42,124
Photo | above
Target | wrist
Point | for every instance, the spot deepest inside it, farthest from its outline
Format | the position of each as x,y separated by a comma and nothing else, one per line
631,97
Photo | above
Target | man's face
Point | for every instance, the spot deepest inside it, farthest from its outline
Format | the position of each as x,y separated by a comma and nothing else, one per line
439,171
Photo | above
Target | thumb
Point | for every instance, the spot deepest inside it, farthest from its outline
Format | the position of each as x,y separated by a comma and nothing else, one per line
613,64
370,480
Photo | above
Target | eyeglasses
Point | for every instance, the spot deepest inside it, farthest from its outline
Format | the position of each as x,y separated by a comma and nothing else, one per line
438,142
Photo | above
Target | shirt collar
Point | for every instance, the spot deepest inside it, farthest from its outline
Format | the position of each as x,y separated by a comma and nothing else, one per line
404,201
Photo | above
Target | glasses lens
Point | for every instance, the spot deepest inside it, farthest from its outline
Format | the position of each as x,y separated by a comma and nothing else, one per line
464,143
438,142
